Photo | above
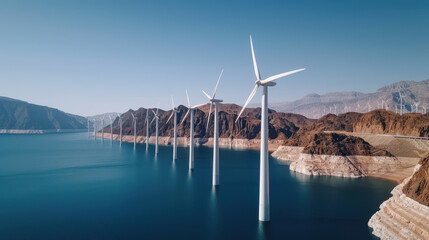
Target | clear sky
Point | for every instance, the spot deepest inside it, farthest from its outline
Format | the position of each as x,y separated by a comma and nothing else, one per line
88,57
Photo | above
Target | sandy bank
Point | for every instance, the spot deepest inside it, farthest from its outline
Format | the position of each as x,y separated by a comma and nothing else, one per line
391,168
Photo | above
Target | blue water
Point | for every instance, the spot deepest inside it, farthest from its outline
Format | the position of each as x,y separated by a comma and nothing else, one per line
63,186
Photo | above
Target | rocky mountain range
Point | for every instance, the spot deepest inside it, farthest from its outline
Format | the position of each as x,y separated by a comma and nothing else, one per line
20,115
387,97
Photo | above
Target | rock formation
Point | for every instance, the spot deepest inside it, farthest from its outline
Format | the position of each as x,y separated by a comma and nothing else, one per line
406,214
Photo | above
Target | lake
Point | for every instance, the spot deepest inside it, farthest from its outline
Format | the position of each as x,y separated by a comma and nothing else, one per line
64,186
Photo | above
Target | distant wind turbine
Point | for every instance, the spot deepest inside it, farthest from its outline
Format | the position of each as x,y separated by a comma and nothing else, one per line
264,193
417,106
156,119
135,128
111,129
191,131
147,129
120,129
174,113
102,129
95,135
89,134
215,131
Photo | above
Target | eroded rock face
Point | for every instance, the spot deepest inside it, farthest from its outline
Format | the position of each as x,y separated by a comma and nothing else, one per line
417,188
401,217
341,145
386,122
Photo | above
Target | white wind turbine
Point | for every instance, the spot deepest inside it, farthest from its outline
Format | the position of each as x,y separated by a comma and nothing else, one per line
135,128
147,129
174,113
102,129
264,193
120,129
95,135
191,131
400,96
215,132
417,106
111,129
156,117
89,134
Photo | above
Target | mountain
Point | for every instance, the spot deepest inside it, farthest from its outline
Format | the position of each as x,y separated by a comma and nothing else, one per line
19,115
315,106
281,125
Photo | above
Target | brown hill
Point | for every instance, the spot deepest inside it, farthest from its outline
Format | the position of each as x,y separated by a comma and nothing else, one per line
418,186
387,122
339,144
281,125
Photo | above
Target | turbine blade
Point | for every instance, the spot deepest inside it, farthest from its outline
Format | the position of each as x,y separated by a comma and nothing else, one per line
208,96
184,118
170,116
172,101
210,112
248,100
187,98
152,120
217,84
153,112
255,65
272,78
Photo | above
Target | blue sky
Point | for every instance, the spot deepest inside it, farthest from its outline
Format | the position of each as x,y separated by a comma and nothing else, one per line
89,57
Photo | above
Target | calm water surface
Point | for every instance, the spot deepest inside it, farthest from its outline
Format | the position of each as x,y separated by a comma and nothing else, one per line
63,186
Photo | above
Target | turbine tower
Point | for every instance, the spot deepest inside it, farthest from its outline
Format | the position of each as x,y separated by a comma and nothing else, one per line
215,101
111,130
95,135
147,129
89,134
400,96
120,129
191,131
102,129
264,193
156,117
135,128
174,113
417,106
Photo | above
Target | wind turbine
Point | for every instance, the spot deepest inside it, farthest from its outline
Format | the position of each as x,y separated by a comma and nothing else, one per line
264,193
216,132
135,128
95,135
102,129
400,96
156,117
191,131
174,113
147,129
111,130
89,134
417,106
120,129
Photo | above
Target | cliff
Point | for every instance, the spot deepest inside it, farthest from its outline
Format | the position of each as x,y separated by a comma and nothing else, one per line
417,188
401,216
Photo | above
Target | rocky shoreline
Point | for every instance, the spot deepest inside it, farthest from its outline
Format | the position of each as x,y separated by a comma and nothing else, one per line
235,143
386,167
401,217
